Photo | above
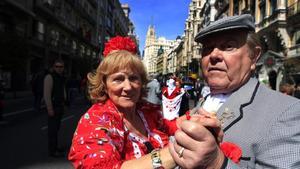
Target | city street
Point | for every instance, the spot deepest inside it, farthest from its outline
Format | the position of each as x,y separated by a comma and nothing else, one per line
238,59
24,139
23,142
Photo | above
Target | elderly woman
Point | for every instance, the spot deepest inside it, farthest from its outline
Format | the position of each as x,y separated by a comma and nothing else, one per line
121,130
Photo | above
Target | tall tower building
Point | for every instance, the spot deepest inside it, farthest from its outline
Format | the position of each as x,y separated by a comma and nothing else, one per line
149,48
152,45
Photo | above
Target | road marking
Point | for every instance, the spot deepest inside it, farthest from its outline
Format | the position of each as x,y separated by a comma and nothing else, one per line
17,112
21,111
62,120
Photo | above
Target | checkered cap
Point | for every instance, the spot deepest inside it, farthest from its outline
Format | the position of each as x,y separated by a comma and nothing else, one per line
245,21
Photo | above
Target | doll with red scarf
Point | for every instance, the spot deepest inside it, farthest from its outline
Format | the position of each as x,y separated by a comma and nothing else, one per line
171,99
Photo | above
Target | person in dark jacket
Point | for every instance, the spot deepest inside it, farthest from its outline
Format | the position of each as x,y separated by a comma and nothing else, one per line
184,104
55,95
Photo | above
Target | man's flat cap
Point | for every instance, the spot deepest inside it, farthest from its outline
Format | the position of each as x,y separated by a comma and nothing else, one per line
244,21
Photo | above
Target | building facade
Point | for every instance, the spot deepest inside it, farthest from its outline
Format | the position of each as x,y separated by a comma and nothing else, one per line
35,32
191,55
152,45
277,25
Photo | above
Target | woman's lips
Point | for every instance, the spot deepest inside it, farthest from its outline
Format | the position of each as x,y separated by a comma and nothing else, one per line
127,97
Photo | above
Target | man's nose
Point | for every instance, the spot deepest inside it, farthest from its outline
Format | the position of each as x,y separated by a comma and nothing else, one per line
216,55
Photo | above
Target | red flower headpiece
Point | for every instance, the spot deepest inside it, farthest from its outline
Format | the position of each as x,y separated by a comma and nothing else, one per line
120,43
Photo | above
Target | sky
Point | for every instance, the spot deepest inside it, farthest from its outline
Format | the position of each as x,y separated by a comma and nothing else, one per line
167,16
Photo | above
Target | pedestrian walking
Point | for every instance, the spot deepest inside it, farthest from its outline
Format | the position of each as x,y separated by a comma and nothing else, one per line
55,95
154,91
184,104
198,87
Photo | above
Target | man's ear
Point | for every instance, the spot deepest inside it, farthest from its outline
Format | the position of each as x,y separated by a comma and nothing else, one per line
255,57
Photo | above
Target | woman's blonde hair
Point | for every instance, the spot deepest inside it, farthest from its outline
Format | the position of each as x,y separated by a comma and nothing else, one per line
112,63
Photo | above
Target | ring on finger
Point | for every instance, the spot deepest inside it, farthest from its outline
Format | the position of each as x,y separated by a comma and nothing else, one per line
180,153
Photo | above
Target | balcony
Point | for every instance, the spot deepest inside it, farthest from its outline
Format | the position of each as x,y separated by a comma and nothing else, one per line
293,9
91,18
294,51
46,7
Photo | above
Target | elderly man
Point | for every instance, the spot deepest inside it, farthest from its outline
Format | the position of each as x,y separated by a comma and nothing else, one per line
260,124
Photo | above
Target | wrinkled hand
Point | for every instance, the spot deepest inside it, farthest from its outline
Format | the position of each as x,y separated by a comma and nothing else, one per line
201,146
179,120
210,121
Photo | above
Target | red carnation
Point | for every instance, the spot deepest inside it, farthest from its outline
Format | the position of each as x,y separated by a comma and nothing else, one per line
120,43
231,151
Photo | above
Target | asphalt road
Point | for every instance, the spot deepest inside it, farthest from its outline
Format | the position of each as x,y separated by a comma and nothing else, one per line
23,142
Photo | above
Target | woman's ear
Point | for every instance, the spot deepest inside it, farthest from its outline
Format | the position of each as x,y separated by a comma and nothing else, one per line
255,57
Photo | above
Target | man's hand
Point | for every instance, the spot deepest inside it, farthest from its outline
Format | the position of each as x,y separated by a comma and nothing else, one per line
200,146
210,121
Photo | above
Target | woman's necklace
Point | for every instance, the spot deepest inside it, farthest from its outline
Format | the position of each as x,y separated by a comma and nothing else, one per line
126,127
135,137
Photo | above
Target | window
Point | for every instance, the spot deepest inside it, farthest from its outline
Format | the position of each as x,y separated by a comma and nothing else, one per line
110,9
40,31
74,45
235,7
82,50
108,22
21,29
54,37
49,2
273,7
252,8
297,37
262,7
